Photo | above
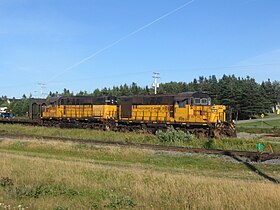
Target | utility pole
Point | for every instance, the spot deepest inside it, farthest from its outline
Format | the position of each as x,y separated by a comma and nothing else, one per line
155,84
42,86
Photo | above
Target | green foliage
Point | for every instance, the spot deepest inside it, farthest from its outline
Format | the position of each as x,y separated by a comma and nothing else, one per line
210,144
22,191
61,208
120,202
172,135
19,107
6,181
17,145
115,201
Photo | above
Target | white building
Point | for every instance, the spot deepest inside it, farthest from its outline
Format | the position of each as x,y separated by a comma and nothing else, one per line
3,109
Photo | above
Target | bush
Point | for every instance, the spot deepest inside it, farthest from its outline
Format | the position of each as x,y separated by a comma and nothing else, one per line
173,135
6,181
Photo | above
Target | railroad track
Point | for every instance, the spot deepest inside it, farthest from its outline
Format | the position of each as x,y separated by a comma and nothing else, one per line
252,156
24,121
271,135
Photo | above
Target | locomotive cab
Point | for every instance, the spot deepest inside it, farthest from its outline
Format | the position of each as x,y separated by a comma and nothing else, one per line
192,107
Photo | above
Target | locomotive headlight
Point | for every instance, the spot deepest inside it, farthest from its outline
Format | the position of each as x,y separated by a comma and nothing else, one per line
214,110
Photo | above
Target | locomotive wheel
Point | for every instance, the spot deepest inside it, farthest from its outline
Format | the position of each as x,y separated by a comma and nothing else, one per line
224,130
201,133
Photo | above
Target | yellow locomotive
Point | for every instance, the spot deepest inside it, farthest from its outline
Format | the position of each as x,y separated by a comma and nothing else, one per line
189,111
79,108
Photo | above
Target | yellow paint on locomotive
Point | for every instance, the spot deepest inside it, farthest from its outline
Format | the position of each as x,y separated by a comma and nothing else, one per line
81,111
218,113
200,114
188,114
150,113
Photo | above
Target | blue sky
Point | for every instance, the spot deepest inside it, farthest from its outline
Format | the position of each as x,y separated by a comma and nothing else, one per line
88,44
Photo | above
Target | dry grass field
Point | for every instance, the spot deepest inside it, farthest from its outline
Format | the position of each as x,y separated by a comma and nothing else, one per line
51,175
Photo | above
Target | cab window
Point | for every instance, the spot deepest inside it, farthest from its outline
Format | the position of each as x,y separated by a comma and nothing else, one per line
197,101
203,101
182,104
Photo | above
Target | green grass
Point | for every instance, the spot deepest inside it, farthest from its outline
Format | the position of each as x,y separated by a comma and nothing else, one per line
269,127
256,130
115,155
227,144
124,156
262,124
268,115
37,131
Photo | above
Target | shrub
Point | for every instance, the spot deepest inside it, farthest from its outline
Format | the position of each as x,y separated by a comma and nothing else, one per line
6,181
173,135
121,203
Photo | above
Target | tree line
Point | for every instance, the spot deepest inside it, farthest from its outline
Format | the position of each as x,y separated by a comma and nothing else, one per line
244,97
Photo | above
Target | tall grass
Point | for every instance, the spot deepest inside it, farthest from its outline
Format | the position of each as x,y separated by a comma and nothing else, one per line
37,131
49,182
